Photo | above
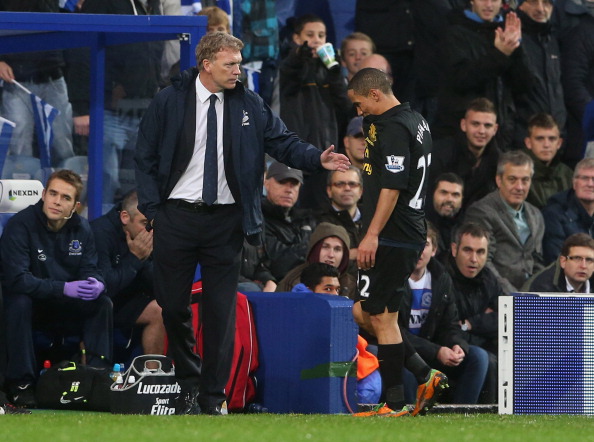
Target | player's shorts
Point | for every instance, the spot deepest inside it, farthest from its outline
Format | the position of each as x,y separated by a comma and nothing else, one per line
383,285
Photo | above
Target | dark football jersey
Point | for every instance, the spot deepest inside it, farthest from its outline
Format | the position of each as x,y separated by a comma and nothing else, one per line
397,156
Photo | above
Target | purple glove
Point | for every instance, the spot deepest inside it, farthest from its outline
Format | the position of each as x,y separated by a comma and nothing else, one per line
90,289
71,288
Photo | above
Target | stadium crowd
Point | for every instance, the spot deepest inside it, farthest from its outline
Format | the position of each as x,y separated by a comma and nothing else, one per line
507,89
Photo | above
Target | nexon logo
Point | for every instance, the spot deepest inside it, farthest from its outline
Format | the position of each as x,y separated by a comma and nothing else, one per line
12,194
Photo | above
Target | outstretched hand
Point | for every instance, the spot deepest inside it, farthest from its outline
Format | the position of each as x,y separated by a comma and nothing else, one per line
334,161
508,39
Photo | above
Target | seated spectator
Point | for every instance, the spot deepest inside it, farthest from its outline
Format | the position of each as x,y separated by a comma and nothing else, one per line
571,272
473,154
50,280
550,174
329,244
377,61
323,279
443,210
313,99
287,230
477,293
354,48
483,56
124,249
515,226
344,190
319,277
429,317
354,142
570,211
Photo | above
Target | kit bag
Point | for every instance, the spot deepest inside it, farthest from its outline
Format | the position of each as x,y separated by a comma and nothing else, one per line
149,387
72,386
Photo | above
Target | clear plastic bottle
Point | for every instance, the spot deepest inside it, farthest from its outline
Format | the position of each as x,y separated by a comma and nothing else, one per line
115,372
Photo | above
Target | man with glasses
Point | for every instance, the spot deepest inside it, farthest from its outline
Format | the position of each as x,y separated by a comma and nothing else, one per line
344,190
570,211
570,273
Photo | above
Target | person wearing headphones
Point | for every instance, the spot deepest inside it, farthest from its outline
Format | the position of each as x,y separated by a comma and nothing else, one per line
50,281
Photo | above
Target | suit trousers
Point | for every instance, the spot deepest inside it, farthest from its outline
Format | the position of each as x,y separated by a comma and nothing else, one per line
185,236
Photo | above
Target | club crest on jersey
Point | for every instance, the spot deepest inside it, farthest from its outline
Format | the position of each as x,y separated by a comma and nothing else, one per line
371,134
394,164
75,247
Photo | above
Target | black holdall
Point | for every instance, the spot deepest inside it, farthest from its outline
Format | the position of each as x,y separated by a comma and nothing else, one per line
149,387
71,386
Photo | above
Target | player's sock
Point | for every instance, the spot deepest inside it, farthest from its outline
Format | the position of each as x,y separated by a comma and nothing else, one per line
391,361
417,366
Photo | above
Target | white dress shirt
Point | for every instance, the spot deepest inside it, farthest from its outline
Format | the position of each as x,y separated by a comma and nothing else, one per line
189,186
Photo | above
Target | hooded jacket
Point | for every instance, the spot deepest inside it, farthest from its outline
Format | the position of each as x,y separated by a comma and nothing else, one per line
348,285
548,180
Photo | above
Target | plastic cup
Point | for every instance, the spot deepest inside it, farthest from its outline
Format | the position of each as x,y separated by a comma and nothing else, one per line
327,55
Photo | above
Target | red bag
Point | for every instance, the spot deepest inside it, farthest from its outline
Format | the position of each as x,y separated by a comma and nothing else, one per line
241,386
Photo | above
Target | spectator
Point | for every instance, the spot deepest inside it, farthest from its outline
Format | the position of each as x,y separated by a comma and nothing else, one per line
550,174
571,272
124,249
287,229
377,61
515,226
429,317
355,48
354,142
578,83
218,20
132,77
474,154
482,58
477,293
50,280
313,99
329,244
443,210
570,211
539,41
344,190
43,74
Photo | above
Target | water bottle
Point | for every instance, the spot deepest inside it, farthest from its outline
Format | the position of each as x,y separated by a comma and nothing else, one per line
116,374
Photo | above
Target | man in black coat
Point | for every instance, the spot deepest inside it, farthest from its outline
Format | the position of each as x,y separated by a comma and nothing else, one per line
477,293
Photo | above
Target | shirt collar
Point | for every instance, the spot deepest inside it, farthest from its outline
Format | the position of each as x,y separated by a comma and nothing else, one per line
204,94
570,289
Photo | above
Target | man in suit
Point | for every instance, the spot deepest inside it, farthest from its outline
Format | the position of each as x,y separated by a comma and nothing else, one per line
515,226
199,170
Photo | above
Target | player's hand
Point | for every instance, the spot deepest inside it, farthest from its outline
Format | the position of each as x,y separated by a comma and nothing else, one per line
366,252
334,161
142,244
